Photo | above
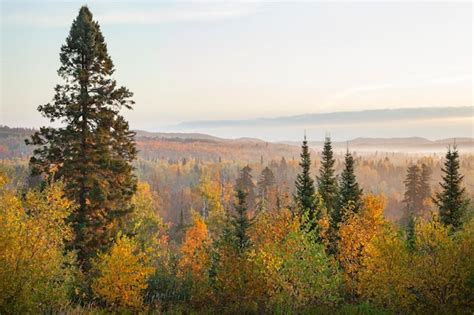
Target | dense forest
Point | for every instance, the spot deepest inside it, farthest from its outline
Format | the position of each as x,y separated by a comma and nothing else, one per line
97,218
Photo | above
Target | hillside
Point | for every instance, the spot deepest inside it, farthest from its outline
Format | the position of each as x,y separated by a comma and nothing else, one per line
173,146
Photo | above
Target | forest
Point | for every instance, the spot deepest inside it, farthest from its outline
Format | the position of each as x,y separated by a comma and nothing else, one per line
97,218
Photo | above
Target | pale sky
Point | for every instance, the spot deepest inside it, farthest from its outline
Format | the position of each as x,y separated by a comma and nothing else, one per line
207,60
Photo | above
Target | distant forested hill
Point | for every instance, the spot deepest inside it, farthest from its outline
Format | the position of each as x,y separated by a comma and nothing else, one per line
169,146
175,146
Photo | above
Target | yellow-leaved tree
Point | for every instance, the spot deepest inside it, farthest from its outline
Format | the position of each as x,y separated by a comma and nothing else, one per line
35,272
211,192
435,276
291,265
443,268
385,277
122,275
354,235
145,224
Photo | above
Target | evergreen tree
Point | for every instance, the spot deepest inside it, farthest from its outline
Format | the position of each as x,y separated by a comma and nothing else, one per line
241,222
245,183
267,179
350,194
424,188
327,181
94,149
265,187
451,200
305,192
412,188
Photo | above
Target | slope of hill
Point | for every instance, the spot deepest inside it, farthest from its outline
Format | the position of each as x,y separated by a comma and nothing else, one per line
174,135
174,146
170,146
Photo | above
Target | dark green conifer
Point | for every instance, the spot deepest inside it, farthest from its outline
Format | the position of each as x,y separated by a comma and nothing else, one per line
241,221
451,199
304,197
327,180
93,149
350,194
412,187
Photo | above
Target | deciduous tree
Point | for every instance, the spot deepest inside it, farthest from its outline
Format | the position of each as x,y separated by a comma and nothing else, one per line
122,275
36,273
354,235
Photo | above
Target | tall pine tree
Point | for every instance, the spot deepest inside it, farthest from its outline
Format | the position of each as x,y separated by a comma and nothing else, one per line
305,193
327,180
451,200
241,221
94,148
350,194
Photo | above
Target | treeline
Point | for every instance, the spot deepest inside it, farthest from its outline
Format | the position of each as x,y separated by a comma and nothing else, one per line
175,182
85,236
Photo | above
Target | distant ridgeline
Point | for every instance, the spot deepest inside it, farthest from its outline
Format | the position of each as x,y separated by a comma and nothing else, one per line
176,146
169,146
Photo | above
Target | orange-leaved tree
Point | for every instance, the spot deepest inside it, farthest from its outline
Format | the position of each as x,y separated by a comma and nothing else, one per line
195,261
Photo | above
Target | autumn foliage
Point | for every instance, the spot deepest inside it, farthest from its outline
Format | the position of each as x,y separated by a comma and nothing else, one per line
35,274
122,275
211,226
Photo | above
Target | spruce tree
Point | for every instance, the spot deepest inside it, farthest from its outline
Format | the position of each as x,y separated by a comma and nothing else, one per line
265,186
451,199
327,181
304,197
417,190
411,200
412,188
94,148
350,194
424,188
241,221
245,183
267,179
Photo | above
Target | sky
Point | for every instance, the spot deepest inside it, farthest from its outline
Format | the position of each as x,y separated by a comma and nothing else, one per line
205,60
